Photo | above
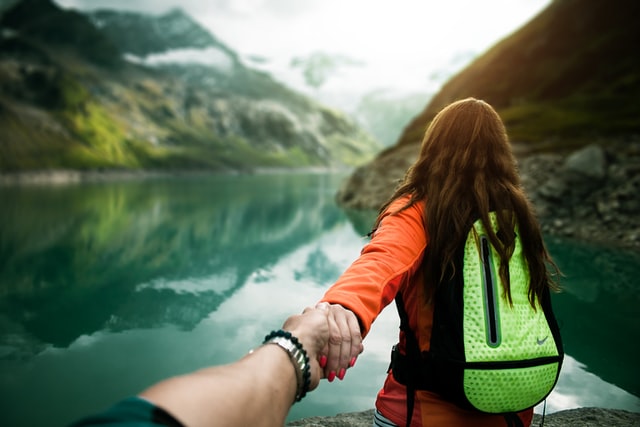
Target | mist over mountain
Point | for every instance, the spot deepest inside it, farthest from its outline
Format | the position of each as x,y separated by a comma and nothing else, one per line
566,85
126,90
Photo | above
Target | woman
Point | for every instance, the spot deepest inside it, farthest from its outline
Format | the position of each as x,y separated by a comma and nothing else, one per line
464,171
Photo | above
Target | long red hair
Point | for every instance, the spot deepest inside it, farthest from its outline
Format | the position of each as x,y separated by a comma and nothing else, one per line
466,170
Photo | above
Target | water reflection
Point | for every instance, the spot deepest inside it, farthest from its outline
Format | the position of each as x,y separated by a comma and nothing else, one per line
579,387
598,310
107,288
79,259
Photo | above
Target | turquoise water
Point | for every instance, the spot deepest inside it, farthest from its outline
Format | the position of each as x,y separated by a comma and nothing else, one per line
106,288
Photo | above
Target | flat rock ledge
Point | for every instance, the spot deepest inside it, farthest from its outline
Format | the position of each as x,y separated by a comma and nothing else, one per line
581,417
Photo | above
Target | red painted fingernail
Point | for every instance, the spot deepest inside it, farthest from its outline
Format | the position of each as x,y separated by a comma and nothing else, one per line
323,361
352,363
331,377
341,374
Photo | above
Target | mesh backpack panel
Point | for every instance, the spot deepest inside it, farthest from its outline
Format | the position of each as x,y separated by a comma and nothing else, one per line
510,354
485,354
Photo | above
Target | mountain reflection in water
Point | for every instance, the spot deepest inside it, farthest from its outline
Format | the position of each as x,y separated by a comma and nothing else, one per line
79,259
108,287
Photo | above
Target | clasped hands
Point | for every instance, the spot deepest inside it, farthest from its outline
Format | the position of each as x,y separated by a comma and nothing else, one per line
331,336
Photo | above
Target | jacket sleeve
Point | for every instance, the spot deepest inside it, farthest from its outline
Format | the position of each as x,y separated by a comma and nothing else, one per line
393,254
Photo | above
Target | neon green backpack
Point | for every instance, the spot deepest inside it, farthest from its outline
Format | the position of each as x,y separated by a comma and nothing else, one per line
485,354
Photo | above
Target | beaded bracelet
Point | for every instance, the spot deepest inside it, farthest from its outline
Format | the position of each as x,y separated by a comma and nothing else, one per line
298,356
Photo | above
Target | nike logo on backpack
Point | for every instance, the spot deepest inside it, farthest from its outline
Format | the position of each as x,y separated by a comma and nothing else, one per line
542,341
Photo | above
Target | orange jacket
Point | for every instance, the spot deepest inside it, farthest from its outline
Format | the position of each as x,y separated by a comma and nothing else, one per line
387,264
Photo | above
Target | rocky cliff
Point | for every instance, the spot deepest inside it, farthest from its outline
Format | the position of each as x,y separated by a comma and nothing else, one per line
568,79
82,92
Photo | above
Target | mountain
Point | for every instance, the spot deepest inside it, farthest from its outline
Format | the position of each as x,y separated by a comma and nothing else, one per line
385,113
142,34
569,77
318,67
44,21
353,86
571,73
118,90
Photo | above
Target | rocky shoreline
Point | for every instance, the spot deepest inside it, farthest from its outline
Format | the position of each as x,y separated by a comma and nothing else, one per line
581,417
591,195
68,176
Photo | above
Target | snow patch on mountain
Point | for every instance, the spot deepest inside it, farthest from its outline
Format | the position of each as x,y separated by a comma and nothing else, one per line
210,56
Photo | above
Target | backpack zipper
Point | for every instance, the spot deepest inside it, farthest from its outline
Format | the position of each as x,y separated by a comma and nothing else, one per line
490,303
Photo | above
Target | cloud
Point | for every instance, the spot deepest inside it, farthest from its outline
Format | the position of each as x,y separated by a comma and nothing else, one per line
228,8
358,28
399,39
211,56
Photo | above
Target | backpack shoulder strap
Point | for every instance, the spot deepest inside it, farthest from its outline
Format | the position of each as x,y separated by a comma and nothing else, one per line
412,355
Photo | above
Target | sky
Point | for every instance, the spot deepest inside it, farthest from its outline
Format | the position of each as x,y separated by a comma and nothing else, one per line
403,43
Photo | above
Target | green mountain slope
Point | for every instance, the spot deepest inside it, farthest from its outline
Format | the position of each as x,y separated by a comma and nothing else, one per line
568,78
68,100
572,73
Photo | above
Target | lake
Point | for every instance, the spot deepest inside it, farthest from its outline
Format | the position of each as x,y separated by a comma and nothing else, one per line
108,287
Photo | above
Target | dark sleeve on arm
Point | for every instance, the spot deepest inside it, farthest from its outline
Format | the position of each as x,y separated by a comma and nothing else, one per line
131,412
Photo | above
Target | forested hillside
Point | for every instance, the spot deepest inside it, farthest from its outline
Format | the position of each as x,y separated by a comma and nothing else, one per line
79,92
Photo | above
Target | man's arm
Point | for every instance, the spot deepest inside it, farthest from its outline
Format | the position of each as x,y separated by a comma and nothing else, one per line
257,390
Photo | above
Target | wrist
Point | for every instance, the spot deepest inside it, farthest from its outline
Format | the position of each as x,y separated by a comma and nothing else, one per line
305,339
298,356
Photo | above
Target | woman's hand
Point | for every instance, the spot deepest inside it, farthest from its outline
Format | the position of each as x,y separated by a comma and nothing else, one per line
345,341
